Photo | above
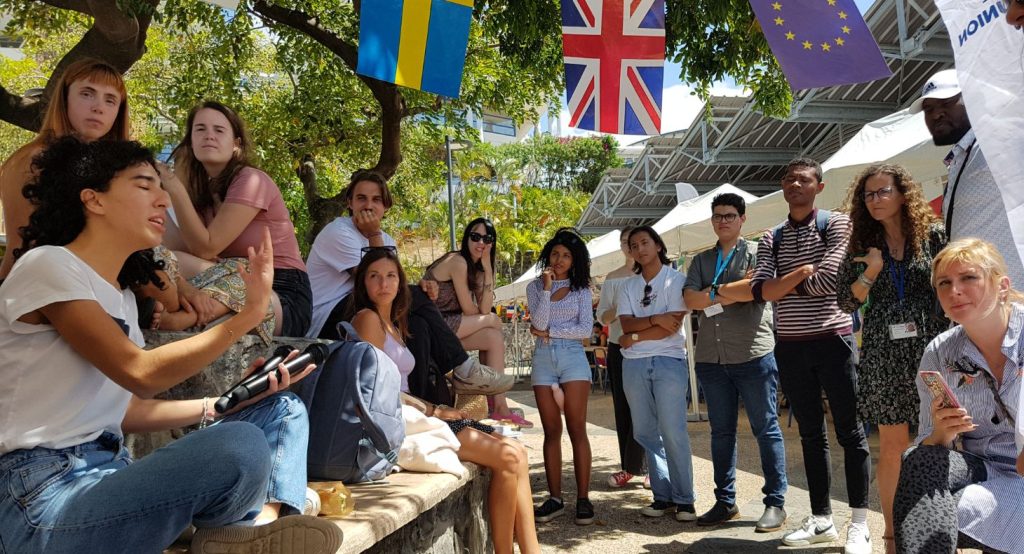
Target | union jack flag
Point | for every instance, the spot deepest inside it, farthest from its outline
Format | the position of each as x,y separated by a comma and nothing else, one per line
614,64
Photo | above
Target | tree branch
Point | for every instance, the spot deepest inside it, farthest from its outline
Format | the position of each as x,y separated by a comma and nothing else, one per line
115,37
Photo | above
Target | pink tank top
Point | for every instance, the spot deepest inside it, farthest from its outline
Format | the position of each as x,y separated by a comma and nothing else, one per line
402,357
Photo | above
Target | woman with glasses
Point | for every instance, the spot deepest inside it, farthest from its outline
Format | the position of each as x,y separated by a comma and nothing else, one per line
562,314
959,486
379,310
465,295
895,236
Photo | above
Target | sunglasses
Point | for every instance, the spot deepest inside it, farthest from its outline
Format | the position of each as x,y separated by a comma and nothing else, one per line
477,237
646,301
393,250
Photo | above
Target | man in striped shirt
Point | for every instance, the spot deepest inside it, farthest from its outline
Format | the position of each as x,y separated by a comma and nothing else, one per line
815,350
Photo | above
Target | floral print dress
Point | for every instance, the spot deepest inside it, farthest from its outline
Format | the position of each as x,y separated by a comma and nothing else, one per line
887,373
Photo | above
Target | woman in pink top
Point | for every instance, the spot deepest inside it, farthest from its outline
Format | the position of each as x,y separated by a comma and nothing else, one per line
379,311
222,204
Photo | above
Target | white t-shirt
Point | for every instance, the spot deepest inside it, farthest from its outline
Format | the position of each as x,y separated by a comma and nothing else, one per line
666,296
336,251
50,396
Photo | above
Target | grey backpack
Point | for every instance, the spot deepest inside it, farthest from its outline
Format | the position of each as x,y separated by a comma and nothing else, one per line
355,413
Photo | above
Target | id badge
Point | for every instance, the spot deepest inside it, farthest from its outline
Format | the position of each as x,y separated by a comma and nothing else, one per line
713,310
899,331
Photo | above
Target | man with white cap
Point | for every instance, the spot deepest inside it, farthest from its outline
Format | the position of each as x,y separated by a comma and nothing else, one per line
972,205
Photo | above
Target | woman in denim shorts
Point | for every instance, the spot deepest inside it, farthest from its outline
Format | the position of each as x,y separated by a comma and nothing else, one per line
562,315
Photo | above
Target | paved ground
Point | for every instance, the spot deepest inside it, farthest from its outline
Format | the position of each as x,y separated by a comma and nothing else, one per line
621,529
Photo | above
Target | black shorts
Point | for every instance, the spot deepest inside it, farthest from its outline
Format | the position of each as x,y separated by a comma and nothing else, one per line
292,288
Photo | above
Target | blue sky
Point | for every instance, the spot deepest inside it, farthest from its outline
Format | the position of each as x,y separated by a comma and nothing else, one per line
679,107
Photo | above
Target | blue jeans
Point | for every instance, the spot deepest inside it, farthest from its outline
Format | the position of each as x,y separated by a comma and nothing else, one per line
94,498
756,383
656,389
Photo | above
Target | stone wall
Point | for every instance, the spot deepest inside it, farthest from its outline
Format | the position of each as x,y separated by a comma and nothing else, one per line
458,524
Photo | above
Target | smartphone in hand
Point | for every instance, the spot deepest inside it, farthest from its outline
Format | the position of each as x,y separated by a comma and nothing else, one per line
939,389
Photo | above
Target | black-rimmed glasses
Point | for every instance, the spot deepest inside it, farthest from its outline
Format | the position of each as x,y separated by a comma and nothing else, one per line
646,301
728,218
393,250
881,194
477,237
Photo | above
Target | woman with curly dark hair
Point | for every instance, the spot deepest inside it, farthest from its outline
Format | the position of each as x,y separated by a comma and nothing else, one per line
895,236
561,315
76,379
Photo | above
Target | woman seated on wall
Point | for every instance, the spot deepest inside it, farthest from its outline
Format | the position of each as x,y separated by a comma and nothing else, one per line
378,310
75,379
222,204
960,483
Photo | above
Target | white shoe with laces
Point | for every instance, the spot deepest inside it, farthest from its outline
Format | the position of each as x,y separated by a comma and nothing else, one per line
858,539
812,530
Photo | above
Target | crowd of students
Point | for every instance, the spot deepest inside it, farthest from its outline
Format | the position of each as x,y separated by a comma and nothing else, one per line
110,241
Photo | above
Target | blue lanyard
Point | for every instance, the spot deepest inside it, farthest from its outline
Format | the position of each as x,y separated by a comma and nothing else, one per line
898,273
720,268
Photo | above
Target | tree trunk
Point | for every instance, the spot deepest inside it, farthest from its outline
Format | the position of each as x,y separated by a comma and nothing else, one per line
115,37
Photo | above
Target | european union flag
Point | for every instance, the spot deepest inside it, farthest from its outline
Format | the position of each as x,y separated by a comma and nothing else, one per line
419,44
820,43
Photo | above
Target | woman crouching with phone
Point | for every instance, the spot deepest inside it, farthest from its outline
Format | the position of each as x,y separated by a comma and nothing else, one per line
378,312
75,379
959,485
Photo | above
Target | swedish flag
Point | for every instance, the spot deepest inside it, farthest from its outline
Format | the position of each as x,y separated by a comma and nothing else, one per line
419,44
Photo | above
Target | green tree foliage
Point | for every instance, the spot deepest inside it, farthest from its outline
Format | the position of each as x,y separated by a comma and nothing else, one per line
568,163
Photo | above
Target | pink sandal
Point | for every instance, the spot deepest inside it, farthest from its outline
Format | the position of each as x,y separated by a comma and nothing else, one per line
514,418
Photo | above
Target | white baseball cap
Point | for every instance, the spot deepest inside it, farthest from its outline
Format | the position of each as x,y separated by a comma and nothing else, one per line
942,85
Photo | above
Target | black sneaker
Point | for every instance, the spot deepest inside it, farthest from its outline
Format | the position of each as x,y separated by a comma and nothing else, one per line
719,513
658,508
686,512
584,511
549,510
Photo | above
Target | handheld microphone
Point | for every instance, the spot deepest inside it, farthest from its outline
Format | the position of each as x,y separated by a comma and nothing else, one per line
259,381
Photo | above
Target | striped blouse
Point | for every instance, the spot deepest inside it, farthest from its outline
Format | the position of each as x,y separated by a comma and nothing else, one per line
572,317
810,311
984,511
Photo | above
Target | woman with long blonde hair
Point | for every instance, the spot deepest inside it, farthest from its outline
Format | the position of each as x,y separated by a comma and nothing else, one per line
895,235
959,486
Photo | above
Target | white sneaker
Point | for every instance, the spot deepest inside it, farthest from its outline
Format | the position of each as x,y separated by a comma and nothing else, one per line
312,504
858,539
812,530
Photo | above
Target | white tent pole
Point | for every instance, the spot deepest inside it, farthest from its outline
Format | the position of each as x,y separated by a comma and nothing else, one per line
694,411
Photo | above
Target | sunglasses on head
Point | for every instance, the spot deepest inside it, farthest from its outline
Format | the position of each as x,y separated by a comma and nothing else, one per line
477,237
646,301
393,250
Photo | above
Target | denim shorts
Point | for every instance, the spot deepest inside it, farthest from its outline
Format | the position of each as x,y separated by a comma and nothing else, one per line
559,361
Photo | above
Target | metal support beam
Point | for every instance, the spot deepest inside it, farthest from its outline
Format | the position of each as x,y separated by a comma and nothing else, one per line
840,111
650,212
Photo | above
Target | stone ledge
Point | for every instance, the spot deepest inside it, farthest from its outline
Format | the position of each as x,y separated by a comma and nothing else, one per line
419,512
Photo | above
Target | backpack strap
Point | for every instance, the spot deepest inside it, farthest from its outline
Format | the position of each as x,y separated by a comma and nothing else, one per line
347,332
820,222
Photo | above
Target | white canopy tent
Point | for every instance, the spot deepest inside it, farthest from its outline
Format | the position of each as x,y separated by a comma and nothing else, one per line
899,138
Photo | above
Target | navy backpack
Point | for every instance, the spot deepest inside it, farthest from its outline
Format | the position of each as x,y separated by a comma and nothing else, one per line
355,413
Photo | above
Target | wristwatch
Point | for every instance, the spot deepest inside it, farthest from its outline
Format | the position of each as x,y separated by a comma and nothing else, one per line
634,337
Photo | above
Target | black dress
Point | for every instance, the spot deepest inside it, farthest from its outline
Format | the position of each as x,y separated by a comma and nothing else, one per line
887,392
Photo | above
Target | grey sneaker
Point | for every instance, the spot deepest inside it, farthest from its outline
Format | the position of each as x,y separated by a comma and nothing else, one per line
286,535
481,380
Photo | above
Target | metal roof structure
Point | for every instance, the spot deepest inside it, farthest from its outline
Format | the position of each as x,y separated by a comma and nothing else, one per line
740,146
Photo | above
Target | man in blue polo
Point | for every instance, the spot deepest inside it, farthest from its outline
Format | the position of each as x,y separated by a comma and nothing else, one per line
735,362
